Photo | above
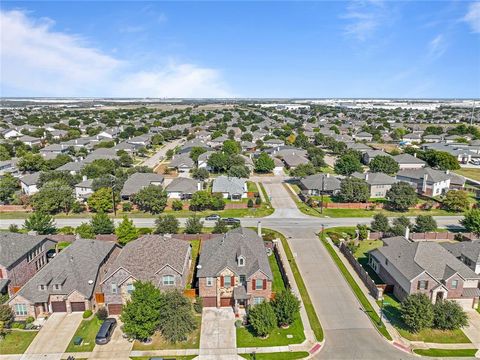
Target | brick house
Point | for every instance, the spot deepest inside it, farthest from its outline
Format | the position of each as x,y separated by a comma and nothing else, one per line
424,267
233,270
21,257
162,260
67,283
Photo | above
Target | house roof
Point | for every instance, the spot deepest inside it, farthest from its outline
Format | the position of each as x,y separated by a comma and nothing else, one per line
222,252
314,182
470,249
148,254
31,179
407,159
183,185
182,160
14,246
294,160
375,178
227,184
138,181
432,174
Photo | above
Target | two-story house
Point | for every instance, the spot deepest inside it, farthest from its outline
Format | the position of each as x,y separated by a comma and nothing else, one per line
21,257
162,260
426,181
378,183
233,270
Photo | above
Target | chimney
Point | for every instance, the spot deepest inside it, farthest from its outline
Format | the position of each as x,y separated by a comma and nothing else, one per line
259,228
84,178
415,154
366,176
407,233
447,172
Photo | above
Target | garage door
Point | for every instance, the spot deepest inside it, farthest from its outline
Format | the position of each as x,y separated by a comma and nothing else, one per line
78,306
115,309
59,306
226,302
467,304
209,301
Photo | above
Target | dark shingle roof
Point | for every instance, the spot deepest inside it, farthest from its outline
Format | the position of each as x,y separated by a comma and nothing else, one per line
13,246
138,181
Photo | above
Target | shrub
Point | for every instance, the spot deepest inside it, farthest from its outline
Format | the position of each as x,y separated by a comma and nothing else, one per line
6,315
262,318
102,313
67,230
13,228
287,307
18,325
449,315
250,203
127,206
258,201
425,223
177,205
87,314
362,232
78,207
198,305
380,223
193,225
29,320
417,312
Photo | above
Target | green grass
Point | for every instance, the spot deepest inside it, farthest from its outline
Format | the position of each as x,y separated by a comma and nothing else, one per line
190,357
470,173
369,310
87,330
265,195
277,356
391,310
195,253
247,338
16,341
251,186
446,352
307,302
278,284
365,246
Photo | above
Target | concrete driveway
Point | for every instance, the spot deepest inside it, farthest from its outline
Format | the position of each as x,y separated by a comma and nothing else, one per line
118,348
218,339
54,337
473,329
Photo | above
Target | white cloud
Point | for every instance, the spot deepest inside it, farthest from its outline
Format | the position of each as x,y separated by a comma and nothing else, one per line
364,17
473,17
437,46
37,61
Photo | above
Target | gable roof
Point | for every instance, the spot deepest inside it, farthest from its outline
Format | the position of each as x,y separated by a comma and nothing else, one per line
470,249
31,179
315,182
227,184
138,181
375,178
14,246
431,175
183,185
407,159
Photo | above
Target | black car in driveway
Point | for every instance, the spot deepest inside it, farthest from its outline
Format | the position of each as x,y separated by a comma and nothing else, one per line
231,221
106,331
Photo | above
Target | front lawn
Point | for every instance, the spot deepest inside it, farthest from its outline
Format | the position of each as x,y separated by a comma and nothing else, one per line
278,337
16,341
391,310
278,284
251,186
277,356
87,330
265,195
159,343
446,352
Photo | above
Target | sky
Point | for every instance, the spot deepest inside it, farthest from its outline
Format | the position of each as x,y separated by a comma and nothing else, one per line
322,49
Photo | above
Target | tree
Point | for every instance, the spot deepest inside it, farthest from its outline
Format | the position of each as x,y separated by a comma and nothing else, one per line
399,225
125,159
301,141
195,152
176,317
101,200
425,223
417,312
231,147
303,170
200,174
31,162
40,222
286,306
264,163
380,223
449,315
141,315
100,167
471,221
102,224
262,319
177,205
220,227
6,315
401,196
167,224
8,186
441,160
4,153
126,231
85,231
53,197
152,198
193,225
218,161
354,190
347,164
200,200
384,164
64,176
456,201
239,171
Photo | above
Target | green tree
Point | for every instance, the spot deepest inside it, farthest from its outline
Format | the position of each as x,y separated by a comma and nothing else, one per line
64,176
125,159
100,167
380,223
126,231
152,198
141,315
167,224
231,147
417,312
456,201
177,319
8,186
195,152
262,319
102,224
6,315
85,231
220,227
401,196
53,197
302,141
193,225
449,315
384,164
471,221
40,222
399,225
31,162
239,171
348,164
287,307
218,161
354,190
201,174
264,163
4,153
303,170
101,200
441,160
177,205
425,223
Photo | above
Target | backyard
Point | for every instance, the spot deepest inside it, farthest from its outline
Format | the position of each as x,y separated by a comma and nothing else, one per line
469,173
16,341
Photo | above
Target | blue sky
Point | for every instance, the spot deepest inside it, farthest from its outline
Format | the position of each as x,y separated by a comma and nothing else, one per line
241,49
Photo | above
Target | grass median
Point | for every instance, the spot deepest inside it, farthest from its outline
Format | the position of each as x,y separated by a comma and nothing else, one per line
446,352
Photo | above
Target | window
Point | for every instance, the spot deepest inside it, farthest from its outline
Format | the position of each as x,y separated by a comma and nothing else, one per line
454,284
258,300
241,261
227,281
259,284
243,279
57,287
21,309
130,288
422,285
114,288
168,280
209,281
41,287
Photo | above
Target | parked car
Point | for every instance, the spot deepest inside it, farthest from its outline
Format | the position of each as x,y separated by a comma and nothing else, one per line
213,217
105,332
231,221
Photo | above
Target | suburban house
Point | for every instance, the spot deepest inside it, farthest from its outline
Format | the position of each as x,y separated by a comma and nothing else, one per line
426,181
433,138
412,137
53,149
21,257
369,155
9,167
67,283
230,187
30,140
10,133
320,183
378,183
293,160
29,182
424,267
407,161
363,136
84,189
182,162
162,260
467,252
183,188
137,181
234,270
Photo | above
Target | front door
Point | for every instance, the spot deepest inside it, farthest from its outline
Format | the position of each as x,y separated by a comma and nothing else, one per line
440,296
